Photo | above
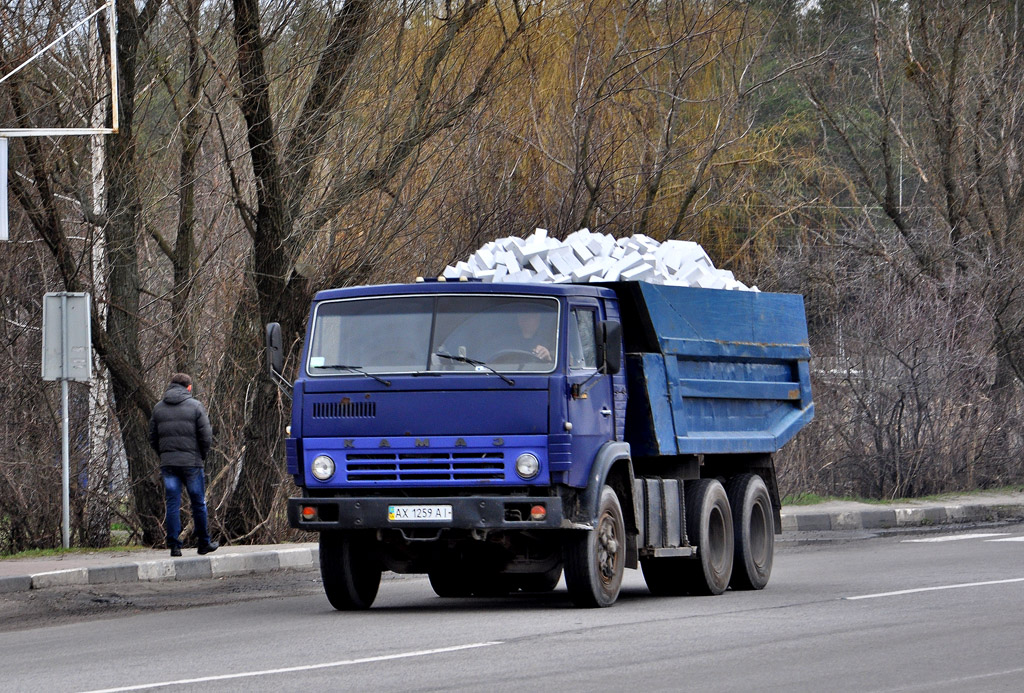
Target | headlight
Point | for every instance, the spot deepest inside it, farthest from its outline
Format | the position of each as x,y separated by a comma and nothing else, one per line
323,467
527,465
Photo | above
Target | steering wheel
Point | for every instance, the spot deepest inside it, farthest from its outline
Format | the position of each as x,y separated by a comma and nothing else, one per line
515,356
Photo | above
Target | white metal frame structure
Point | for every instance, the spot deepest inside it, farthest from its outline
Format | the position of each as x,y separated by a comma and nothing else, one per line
51,132
5,133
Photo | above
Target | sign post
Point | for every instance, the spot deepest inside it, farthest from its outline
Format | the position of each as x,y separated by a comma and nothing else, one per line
67,355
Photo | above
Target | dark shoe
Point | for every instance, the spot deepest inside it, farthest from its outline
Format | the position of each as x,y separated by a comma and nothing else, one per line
208,548
175,552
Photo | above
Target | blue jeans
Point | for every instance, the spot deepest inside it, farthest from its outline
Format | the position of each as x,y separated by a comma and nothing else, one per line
194,481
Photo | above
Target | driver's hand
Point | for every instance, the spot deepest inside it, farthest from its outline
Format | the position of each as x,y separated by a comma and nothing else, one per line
541,352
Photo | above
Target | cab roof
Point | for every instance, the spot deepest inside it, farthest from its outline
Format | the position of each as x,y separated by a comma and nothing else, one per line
463,287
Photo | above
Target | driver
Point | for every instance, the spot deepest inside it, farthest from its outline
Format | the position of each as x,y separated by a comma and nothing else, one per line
528,338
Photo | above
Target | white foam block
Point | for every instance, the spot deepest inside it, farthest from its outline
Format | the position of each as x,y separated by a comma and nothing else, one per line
582,252
563,259
583,274
539,262
507,259
638,273
485,258
520,276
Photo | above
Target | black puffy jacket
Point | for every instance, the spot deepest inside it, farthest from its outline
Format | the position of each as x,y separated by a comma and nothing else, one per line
180,429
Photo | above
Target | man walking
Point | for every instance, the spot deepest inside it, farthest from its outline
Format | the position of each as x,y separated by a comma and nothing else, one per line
180,432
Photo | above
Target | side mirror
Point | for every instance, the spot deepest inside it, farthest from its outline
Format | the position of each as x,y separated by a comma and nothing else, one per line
275,351
609,344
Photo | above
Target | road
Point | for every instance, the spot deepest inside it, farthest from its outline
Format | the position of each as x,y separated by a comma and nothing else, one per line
926,612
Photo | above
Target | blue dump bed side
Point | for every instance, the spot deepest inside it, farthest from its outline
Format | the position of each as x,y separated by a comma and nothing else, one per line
713,372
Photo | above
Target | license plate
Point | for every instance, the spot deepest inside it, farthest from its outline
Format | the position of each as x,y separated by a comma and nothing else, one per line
419,513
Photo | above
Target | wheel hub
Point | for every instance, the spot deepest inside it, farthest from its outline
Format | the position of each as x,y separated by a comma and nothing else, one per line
607,548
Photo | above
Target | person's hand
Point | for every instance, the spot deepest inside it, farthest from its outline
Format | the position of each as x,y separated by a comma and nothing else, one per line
541,352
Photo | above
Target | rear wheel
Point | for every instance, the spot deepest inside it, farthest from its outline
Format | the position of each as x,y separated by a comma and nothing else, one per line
350,570
463,578
709,526
753,532
665,576
595,561
449,583
535,582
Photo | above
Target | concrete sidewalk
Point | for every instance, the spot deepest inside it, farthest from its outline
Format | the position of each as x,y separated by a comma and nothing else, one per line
144,565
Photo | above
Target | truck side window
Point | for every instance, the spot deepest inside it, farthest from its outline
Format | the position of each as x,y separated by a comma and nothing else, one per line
582,338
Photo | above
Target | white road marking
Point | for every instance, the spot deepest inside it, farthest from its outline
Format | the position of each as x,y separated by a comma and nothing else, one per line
1007,539
306,667
934,589
955,537
931,685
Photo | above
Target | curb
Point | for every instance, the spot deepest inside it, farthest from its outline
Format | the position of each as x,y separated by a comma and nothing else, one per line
892,518
308,557
191,568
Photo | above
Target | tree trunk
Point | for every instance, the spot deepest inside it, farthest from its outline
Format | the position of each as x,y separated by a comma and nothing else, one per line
100,469
122,324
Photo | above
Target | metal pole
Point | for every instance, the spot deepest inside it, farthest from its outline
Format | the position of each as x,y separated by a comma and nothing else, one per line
65,482
65,485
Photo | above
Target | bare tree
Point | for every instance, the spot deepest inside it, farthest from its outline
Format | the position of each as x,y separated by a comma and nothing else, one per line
938,153
285,159
40,193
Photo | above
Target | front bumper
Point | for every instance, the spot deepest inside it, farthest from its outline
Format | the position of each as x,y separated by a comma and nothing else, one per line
479,512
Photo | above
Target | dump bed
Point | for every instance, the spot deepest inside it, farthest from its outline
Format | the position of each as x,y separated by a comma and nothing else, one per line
713,372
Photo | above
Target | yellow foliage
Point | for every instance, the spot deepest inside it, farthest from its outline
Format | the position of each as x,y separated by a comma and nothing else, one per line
623,116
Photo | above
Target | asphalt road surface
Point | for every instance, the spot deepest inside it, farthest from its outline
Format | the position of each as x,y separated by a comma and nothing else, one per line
942,611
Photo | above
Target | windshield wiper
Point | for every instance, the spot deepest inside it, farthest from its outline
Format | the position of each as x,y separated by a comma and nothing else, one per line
358,369
474,362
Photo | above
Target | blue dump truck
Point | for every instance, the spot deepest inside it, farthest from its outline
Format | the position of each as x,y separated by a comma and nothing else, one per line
493,436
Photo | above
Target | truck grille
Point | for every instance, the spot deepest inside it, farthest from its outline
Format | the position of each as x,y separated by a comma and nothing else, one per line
344,410
425,466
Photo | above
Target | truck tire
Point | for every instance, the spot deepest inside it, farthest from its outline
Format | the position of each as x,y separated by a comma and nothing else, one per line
595,561
350,571
753,531
664,576
461,578
449,584
535,582
709,526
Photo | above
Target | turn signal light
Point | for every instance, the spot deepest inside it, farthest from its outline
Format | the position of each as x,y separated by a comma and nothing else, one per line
538,512
308,513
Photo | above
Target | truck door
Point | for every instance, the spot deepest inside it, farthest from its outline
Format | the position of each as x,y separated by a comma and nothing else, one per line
591,405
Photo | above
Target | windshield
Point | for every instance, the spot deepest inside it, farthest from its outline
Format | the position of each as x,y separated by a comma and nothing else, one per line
412,334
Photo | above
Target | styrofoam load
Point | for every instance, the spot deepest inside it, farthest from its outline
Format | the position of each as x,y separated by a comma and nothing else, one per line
593,257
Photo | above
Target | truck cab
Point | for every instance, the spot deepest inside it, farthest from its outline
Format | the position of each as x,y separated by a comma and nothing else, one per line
480,433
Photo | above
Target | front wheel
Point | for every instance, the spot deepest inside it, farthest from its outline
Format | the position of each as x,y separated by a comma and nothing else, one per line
350,570
595,561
